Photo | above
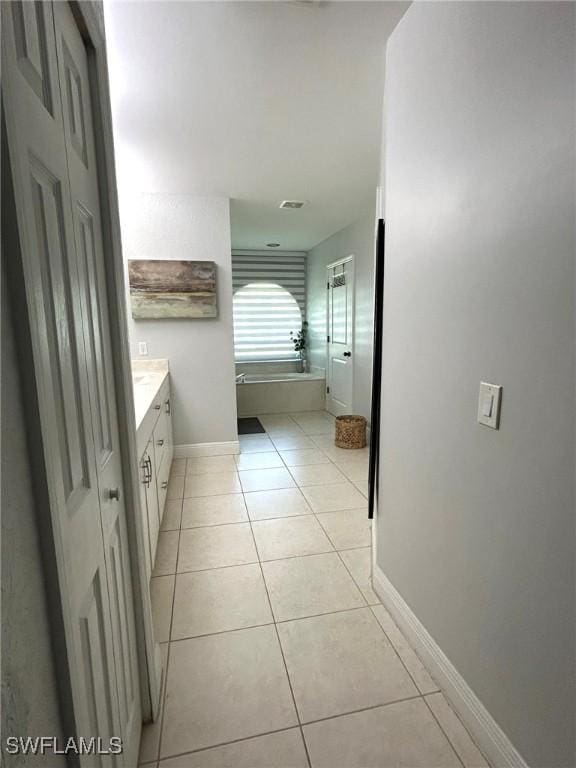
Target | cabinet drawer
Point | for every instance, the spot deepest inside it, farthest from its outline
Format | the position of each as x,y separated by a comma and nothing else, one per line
163,428
150,500
144,510
162,480
161,438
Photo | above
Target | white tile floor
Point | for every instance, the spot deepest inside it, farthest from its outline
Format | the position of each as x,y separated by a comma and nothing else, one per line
278,653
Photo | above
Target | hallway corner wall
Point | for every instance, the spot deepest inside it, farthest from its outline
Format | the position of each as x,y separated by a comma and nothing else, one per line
200,352
30,692
475,526
358,239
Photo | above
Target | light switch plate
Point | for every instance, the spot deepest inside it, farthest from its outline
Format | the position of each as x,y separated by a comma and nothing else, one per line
489,401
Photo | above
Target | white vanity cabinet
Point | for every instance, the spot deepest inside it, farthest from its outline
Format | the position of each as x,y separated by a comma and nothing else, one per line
155,447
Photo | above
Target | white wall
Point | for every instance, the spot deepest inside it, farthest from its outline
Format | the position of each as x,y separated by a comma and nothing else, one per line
357,239
476,527
200,352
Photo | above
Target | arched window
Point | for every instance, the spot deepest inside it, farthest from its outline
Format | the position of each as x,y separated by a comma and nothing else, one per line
264,315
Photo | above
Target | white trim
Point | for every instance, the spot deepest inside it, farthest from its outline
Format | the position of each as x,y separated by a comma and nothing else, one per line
340,261
490,738
193,450
269,252
379,202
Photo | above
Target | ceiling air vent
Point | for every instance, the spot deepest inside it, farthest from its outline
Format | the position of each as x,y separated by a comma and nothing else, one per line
292,204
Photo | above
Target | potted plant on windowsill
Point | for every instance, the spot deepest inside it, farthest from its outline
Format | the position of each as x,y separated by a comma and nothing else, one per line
300,341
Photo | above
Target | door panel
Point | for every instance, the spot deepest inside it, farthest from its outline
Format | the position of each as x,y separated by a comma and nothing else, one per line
74,100
121,610
96,673
81,155
57,275
29,22
340,324
94,302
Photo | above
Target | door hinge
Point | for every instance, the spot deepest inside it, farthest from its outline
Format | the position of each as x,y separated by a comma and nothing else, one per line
328,286
327,390
328,338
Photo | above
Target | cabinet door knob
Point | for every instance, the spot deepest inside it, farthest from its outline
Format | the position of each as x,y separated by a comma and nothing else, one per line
157,406
160,442
114,494
165,484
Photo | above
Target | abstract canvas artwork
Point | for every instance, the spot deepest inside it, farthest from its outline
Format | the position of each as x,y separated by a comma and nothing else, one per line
171,289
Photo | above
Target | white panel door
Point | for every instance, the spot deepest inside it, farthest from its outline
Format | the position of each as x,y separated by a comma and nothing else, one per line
340,335
39,164
65,293
82,169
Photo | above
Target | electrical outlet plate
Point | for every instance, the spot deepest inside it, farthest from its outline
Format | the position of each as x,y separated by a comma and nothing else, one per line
489,401
142,348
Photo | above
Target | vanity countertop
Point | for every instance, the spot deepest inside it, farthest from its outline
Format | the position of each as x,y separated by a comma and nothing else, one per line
147,378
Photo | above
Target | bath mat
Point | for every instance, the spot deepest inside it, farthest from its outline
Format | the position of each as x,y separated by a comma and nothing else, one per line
250,426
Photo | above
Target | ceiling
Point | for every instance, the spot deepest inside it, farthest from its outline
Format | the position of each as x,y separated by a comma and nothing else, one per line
256,101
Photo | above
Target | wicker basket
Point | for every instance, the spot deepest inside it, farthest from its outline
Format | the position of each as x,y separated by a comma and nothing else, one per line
350,432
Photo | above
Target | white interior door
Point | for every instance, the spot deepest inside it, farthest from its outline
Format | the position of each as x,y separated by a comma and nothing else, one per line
340,337
47,113
82,169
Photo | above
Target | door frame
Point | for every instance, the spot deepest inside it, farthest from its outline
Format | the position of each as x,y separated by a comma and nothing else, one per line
346,259
88,15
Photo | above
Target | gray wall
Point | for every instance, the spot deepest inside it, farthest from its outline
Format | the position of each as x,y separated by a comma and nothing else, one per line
29,691
357,239
476,527
200,352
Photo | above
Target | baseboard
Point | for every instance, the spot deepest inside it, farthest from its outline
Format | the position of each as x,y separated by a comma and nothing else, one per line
489,737
193,450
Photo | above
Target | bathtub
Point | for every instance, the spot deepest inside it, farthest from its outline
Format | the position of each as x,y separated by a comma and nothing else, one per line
280,392
261,378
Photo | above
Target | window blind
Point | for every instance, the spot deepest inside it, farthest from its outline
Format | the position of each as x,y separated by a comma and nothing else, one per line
269,303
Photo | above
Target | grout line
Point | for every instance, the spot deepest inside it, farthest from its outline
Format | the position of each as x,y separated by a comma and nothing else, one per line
228,743
393,646
293,727
358,587
342,561
363,709
426,696
352,575
251,562
321,615
224,631
339,549
263,519
270,623
281,649
442,729
165,688
214,525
